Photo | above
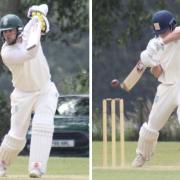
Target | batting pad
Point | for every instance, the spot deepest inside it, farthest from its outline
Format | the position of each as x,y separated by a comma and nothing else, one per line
41,142
147,141
10,148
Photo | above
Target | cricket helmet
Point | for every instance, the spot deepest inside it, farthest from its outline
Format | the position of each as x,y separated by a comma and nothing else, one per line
163,21
11,21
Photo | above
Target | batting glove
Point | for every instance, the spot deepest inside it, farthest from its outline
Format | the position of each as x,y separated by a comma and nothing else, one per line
43,20
43,9
40,12
140,66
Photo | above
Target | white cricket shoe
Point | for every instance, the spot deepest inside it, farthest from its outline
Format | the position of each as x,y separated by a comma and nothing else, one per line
2,169
36,170
138,161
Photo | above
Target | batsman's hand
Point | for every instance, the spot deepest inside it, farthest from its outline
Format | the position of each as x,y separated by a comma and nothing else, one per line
44,22
115,83
41,12
140,66
156,71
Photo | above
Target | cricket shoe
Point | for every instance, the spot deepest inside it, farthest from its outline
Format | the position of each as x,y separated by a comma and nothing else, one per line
36,171
138,161
2,169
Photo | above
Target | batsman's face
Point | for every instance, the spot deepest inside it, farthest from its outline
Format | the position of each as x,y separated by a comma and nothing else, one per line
10,36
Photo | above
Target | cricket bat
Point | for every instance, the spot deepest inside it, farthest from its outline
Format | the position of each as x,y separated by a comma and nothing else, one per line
133,77
33,38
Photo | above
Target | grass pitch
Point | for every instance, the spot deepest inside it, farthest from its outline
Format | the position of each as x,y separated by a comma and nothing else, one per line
164,165
59,168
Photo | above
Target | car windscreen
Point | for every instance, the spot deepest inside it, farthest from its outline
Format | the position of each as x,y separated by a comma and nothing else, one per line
73,106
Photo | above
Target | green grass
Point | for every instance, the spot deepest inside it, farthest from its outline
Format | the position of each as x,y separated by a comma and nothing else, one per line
165,164
58,168
133,175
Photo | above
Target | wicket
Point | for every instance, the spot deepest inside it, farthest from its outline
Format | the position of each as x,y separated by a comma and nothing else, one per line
113,108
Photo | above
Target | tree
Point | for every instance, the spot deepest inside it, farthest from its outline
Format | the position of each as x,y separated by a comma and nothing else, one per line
4,115
66,16
129,18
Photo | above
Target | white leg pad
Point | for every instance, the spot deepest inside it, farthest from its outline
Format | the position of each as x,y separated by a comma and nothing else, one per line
147,141
10,148
41,142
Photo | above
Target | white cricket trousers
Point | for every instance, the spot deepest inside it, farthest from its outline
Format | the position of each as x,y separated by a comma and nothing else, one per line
43,104
166,100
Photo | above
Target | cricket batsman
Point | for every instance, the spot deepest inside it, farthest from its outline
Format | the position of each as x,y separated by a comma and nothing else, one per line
163,53
34,92
162,56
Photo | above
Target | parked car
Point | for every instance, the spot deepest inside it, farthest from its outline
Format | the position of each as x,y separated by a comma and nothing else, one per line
71,132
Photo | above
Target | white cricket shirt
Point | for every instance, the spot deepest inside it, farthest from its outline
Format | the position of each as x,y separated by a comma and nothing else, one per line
30,71
168,58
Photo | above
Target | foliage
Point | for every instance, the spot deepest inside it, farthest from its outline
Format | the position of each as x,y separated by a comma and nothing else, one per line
77,84
129,18
65,16
4,115
97,125
81,84
138,18
135,19
170,131
105,14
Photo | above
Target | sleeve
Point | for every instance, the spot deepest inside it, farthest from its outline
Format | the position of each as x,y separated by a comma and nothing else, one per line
149,55
16,55
32,29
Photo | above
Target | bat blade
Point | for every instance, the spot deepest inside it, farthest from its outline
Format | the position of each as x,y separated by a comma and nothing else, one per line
133,77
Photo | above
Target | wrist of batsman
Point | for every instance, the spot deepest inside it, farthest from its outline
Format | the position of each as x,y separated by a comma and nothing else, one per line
156,71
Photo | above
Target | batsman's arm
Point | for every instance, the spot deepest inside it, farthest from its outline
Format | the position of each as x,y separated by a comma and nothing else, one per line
163,40
173,36
33,34
147,59
157,71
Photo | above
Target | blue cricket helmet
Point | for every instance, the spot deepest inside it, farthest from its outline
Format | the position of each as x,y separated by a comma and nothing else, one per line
163,21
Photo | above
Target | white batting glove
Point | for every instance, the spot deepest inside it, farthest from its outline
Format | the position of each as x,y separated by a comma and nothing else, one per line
41,12
140,66
43,9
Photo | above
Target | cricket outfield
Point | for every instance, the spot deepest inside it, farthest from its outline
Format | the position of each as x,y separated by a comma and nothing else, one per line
164,165
59,168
